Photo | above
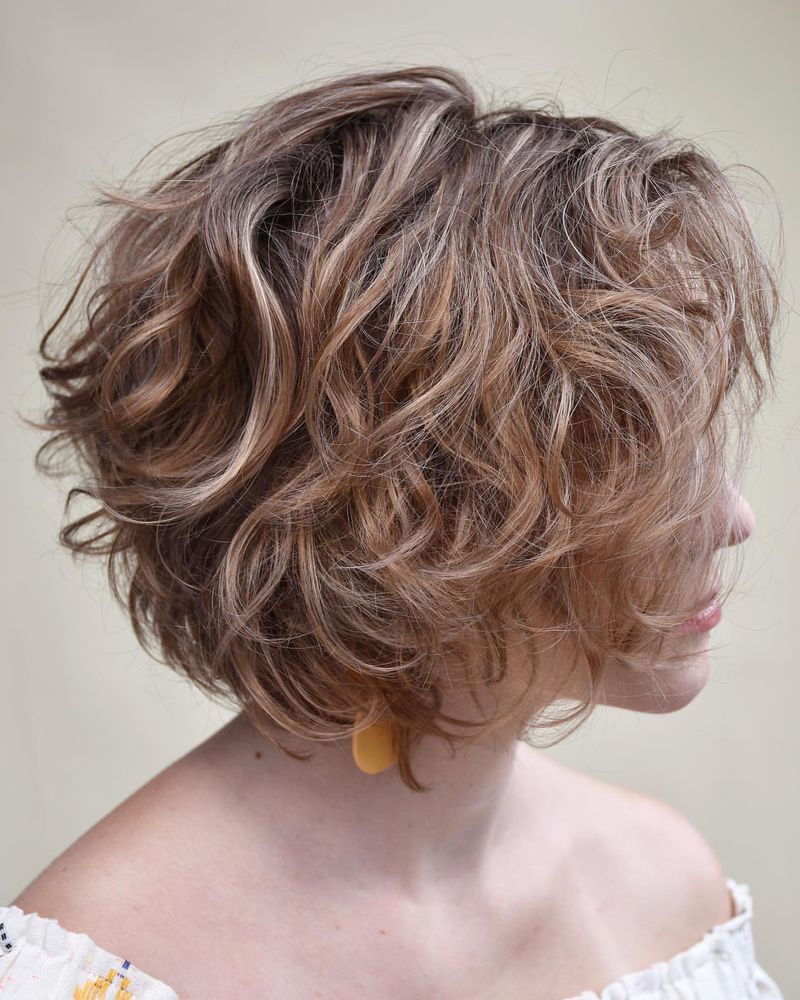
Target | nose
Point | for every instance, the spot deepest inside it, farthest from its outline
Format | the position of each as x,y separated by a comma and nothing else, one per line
743,522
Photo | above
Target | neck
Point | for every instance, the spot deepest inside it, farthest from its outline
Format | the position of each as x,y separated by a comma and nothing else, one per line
340,825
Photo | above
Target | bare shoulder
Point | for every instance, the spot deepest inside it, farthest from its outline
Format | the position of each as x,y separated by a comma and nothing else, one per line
115,883
680,858
656,871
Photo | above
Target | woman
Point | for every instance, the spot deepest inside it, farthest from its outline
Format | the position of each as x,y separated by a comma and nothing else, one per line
410,430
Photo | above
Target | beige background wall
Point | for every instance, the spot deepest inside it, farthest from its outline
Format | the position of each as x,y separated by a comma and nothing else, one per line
86,718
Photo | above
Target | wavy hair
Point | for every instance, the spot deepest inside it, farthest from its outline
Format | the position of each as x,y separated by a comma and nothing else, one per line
376,371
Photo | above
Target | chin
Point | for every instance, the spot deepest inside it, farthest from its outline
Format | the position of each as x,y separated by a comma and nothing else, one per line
658,691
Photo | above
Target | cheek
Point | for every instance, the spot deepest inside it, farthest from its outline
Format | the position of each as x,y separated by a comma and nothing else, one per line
661,690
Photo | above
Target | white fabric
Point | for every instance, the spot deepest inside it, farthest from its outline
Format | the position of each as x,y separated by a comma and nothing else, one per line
40,960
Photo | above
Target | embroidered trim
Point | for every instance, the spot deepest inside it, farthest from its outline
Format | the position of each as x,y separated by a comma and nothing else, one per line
97,988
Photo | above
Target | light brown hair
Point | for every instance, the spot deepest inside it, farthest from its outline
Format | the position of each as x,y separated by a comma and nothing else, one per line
376,371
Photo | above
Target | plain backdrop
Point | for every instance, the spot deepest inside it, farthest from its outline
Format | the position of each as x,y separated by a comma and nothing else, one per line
88,87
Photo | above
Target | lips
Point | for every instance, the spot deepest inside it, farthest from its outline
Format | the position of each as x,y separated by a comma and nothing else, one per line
705,619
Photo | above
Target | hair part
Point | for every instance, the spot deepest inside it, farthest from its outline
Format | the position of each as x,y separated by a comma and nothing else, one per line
378,371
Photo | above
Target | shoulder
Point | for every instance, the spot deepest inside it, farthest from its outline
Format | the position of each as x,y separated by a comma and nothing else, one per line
113,885
669,849
651,867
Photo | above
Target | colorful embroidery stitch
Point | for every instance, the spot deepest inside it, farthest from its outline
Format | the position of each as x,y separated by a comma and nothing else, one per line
98,989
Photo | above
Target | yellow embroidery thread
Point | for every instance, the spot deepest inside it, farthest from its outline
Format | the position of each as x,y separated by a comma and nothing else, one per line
97,989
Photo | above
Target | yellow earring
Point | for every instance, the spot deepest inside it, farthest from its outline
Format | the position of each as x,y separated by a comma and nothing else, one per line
374,747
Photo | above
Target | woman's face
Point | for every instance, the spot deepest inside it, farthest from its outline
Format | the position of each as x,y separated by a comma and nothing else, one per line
663,688
669,687
672,683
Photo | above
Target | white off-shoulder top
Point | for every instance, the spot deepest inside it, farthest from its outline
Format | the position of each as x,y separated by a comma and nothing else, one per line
40,960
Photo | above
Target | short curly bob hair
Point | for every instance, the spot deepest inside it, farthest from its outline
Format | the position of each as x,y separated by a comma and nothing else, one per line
376,372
